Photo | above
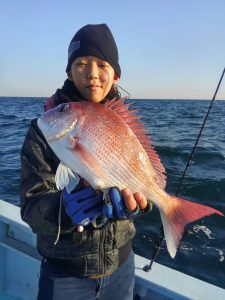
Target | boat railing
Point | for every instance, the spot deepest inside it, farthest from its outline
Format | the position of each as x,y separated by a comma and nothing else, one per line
20,265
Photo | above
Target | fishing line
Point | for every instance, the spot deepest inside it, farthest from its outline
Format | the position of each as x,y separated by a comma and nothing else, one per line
159,240
123,90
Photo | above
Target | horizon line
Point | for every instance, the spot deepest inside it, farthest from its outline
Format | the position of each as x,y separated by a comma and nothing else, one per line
146,99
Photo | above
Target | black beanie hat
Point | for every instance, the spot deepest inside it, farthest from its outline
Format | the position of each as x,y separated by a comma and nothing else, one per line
94,40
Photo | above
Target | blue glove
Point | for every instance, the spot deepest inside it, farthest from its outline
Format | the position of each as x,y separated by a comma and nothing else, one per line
114,207
83,206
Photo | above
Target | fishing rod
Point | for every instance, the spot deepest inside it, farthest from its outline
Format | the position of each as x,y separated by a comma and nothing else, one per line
159,240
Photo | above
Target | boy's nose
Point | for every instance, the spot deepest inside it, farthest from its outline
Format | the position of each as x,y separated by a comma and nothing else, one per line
92,72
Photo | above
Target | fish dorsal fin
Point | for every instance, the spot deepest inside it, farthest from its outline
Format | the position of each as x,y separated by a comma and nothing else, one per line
65,178
133,121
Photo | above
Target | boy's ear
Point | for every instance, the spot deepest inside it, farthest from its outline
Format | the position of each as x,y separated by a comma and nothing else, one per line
69,76
116,77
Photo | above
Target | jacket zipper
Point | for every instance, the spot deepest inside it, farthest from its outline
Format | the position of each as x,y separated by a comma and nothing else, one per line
102,252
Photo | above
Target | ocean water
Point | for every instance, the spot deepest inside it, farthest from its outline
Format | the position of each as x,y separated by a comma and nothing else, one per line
173,126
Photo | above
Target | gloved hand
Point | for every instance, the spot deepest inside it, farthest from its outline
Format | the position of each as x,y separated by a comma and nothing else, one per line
114,207
83,206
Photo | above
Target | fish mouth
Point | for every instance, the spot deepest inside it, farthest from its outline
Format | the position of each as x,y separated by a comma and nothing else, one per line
62,133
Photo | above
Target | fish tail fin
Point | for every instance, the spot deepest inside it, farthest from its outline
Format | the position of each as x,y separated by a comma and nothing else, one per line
176,215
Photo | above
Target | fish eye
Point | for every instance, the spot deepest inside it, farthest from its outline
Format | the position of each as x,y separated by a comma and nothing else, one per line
63,107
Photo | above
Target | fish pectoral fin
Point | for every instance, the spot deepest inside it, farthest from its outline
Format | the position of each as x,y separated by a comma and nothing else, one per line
66,178
89,160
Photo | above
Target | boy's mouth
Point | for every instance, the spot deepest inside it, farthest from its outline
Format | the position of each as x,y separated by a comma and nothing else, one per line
93,87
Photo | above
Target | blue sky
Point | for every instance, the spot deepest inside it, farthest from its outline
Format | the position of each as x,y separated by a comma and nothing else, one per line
168,48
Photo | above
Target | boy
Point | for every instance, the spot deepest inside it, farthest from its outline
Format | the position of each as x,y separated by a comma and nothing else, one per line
94,261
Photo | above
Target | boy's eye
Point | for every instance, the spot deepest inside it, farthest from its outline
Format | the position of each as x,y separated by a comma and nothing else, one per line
103,65
81,64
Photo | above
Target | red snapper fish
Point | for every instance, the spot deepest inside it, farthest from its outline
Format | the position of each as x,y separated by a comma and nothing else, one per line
107,145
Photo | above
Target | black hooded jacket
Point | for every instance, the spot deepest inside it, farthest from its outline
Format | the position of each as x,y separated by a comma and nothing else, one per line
95,251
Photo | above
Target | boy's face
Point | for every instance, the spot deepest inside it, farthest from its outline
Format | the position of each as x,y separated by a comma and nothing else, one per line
92,77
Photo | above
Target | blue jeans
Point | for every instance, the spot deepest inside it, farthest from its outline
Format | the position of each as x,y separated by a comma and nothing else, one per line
57,286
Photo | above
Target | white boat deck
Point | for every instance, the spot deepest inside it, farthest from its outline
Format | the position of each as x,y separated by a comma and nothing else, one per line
20,263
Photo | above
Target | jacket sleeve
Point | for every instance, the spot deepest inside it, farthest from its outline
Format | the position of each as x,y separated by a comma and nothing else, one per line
40,200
